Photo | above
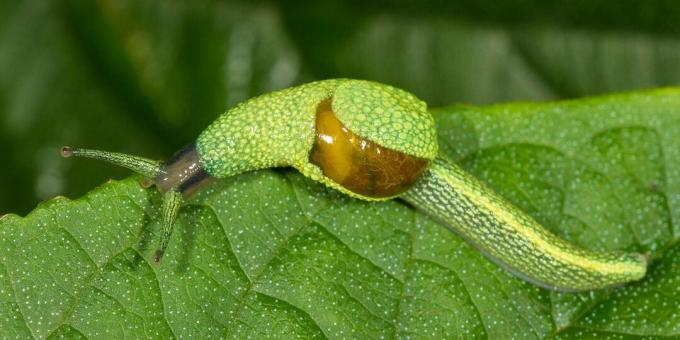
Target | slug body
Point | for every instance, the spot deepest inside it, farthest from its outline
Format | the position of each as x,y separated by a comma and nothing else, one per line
374,142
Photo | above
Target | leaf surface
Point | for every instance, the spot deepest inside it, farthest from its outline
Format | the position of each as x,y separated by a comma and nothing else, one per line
271,253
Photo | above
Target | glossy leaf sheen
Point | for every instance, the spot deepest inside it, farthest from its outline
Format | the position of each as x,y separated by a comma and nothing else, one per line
271,253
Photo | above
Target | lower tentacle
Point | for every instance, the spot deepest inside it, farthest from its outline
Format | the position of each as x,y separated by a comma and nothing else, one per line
172,201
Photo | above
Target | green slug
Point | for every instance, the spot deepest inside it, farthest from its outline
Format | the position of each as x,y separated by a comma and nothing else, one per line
373,142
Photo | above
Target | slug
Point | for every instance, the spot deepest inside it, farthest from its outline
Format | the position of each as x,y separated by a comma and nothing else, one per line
373,142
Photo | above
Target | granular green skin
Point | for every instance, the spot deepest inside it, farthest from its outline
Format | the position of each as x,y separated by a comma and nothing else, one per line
391,117
278,129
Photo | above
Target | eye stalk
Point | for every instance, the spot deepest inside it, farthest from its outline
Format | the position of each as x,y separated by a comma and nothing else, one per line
358,164
183,172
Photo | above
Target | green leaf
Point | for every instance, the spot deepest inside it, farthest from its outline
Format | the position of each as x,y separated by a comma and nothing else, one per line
271,253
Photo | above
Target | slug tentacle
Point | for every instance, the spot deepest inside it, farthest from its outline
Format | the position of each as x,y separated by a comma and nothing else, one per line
172,201
512,238
146,167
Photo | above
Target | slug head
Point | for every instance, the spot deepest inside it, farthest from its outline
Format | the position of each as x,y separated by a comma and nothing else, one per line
177,178
182,172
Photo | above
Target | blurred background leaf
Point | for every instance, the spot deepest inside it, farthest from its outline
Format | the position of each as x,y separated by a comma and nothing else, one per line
145,77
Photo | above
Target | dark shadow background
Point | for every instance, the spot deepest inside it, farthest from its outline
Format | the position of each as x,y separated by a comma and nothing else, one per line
145,77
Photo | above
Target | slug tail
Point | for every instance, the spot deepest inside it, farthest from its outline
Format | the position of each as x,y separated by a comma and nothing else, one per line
512,238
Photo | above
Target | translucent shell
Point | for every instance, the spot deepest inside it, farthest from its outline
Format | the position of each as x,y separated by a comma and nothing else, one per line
358,164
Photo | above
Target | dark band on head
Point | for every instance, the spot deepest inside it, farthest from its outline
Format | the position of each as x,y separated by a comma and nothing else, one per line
183,172
197,180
